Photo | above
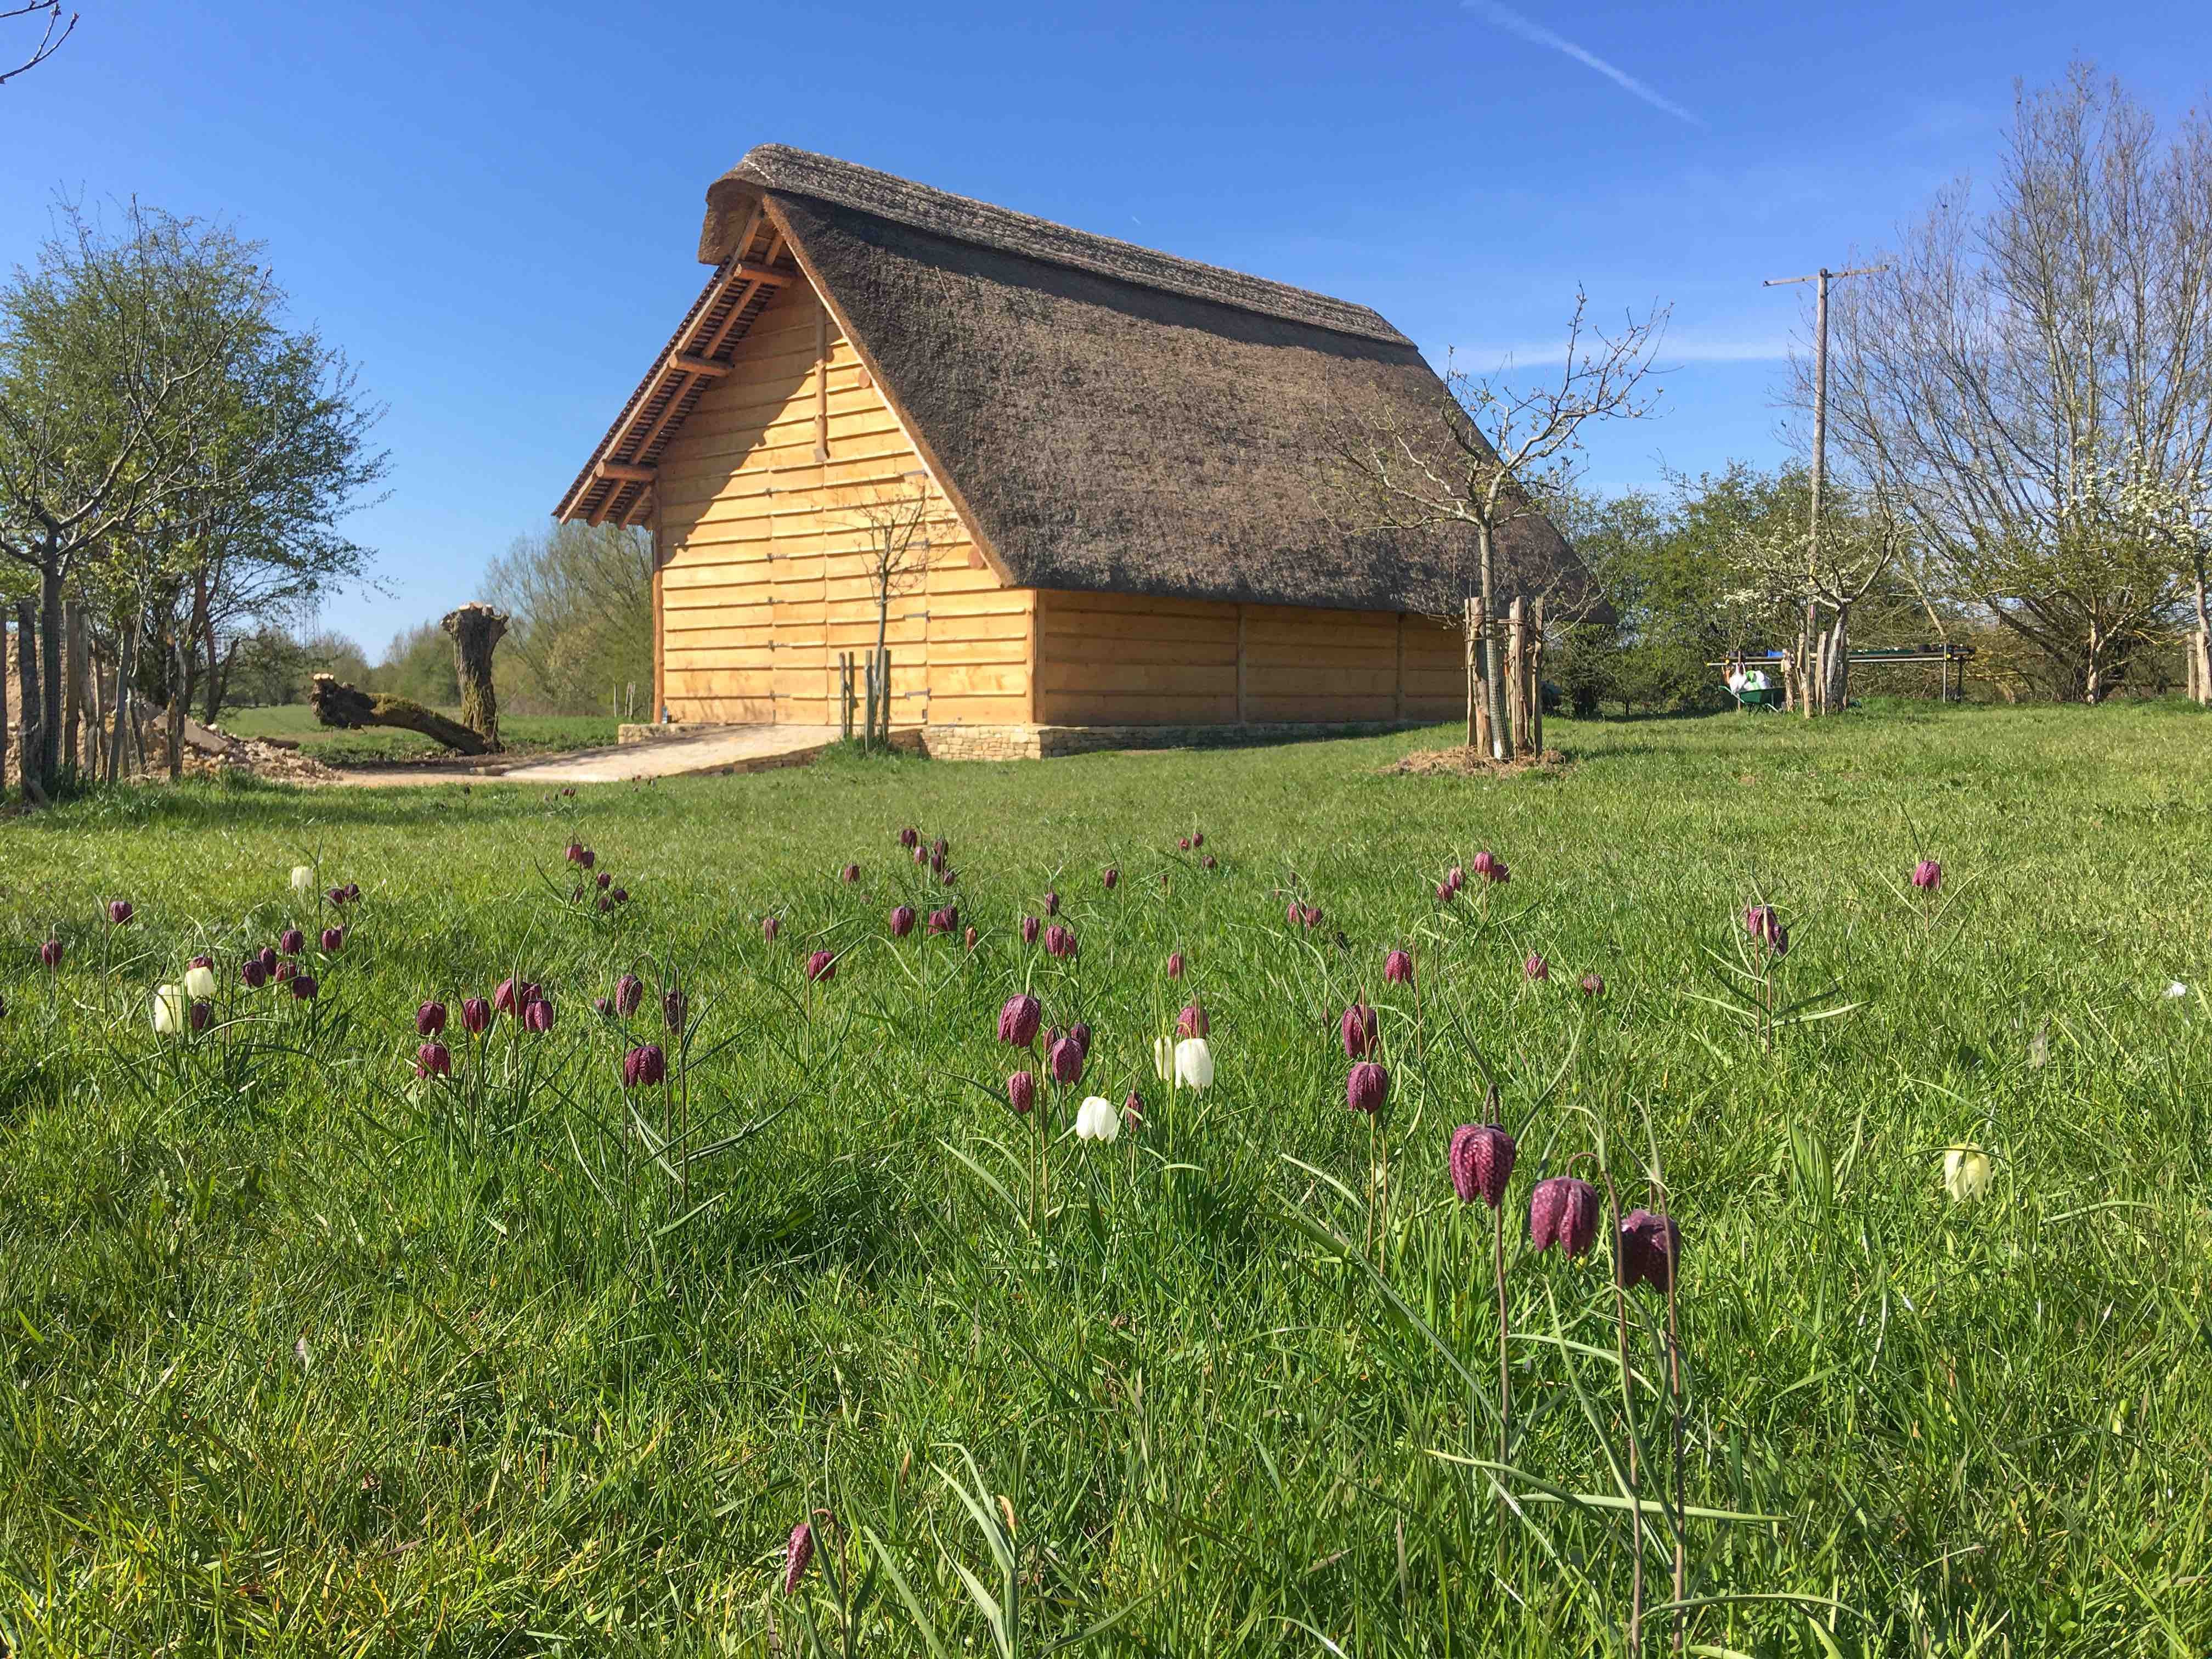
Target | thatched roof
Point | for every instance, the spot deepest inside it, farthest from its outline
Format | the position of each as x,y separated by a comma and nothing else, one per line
1108,417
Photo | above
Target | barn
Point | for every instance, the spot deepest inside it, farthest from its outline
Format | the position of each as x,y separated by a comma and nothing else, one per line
1117,460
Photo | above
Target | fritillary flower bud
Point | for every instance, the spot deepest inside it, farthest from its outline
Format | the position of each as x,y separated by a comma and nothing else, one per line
475,1016
199,979
901,920
644,1066
50,952
575,854
1184,842
352,891
604,880
537,1015
629,994
587,857
922,855
1112,879
120,911
675,1008
1175,964
1481,1163
1483,863
1193,1063
168,1009
251,974
430,1019
1192,1022
1455,878
1052,902
1592,985
849,874
1445,891
1310,916
1367,1088
968,937
304,987
202,1011
1928,875
821,966
1021,1091
603,1006
286,971
1967,1172
1649,1250
303,877
1079,1034
267,959
796,1555
1763,923
1030,927
291,941
1097,1120
1536,968
1562,1211
620,895
770,927
1198,838
1206,863
910,836
1018,1020
433,1059
1059,941
951,879
1132,1109
1398,968
1291,912
333,940
1360,1029
336,896
506,996
1063,1061
939,848
946,921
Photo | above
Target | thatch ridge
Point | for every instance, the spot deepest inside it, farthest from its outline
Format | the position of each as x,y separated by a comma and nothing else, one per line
785,171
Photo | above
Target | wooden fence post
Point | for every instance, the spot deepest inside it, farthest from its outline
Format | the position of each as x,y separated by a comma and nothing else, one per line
1478,688
28,758
1517,676
1536,679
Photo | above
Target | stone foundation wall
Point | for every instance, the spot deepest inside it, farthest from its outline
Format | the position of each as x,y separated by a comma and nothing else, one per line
1046,742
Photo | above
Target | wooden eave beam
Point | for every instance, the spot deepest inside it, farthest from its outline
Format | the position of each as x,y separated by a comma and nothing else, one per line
624,471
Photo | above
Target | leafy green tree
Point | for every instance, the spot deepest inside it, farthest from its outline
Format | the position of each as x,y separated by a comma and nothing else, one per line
580,601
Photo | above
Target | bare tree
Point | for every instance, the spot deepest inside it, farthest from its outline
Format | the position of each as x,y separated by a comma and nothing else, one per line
49,43
94,373
894,522
1991,379
1807,572
1498,451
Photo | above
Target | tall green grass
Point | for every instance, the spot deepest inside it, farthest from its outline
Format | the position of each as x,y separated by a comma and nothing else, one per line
303,1356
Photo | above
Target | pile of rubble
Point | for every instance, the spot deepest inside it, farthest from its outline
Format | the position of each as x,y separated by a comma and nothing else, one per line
208,751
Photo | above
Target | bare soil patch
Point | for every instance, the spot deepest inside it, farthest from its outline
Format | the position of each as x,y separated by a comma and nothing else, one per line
1466,762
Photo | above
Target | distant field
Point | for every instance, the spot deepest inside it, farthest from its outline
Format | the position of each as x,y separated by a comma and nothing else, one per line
523,734
301,1353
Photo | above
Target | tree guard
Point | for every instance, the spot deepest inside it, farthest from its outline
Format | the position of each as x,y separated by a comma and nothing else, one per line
336,704
476,628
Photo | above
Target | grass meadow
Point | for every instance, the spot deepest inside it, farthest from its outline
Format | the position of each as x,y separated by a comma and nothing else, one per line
305,1354
523,735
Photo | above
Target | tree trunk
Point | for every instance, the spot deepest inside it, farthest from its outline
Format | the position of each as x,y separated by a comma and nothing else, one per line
50,675
72,684
477,629
344,706
1493,663
174,717
3,707
2093,683
126,646
1839,668
29,718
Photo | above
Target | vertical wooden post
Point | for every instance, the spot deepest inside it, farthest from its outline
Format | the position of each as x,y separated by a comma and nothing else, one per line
1478,701
821,381
1398,693
1536,679
1037,656
1517,646
1243,707
1807,668
27,700
72,679
3,706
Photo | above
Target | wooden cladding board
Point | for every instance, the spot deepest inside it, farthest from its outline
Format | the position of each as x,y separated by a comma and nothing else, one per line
1117,660
763,537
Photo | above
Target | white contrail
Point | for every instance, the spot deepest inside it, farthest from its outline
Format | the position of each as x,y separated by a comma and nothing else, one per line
1506,18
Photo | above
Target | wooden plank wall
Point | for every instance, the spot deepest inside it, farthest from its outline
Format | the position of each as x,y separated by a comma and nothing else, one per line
762,579
1115,659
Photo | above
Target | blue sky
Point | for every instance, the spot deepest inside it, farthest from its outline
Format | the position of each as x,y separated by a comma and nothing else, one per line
493,207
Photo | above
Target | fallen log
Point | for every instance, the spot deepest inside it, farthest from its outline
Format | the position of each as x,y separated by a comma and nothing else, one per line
345,707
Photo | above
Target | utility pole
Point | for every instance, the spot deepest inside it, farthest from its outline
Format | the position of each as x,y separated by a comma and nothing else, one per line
1821,279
